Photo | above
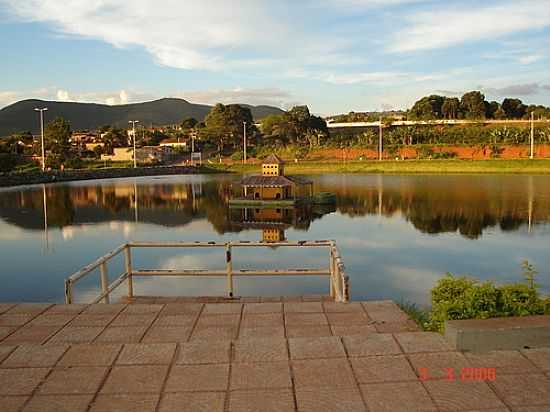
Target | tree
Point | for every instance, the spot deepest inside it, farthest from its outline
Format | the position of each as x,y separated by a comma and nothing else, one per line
189,123
450,107
58,139
473,105
427,108
514,108
540,111
499,114
297,125
224,125
270,125
112,137
491,109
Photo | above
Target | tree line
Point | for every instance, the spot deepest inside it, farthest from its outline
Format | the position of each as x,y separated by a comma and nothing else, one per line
473,106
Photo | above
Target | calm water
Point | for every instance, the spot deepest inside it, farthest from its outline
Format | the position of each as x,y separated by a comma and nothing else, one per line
397,234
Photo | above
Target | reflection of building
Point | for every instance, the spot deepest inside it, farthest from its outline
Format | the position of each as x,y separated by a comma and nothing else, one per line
273,185
273,235
274,221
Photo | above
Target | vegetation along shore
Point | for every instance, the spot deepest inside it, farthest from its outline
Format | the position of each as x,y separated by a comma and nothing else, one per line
437,135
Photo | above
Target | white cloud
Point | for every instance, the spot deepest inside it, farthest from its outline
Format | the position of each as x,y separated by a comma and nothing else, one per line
348,78
123,97
261,96
8,97
530,58
63,95
267,96
189,35
354,78
446,27
371,3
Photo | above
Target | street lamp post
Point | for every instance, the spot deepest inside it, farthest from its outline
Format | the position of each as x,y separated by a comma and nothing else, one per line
532,151
244,142
133,122
42,135
381,141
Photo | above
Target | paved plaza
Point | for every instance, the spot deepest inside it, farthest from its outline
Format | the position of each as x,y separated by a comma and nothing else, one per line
277,355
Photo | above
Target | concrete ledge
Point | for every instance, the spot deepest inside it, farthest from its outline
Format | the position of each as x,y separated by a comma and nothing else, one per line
511,333
19,179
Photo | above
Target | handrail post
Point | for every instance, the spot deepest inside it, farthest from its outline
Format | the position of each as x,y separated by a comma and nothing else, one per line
229,267
104,281
346,289
128,264
68,292
331,270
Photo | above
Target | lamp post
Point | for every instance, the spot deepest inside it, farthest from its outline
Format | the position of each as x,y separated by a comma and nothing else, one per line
133,122
244,142
381,141
532,154
42,135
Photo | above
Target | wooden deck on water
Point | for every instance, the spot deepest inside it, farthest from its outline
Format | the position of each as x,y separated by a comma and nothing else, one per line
283,354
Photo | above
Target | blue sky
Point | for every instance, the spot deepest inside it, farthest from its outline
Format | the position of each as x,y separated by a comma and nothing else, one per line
334,55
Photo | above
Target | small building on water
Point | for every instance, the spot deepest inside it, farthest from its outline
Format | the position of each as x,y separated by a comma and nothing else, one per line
274,185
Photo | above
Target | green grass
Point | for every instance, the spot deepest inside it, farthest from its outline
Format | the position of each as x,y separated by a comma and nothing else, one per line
416,313
537,166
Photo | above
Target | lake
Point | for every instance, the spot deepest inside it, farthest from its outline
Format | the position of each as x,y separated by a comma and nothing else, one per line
397,234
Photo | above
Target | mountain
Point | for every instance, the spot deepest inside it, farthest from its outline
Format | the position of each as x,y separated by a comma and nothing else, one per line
20,116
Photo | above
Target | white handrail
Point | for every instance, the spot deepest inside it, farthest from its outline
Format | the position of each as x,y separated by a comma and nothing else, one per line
339,281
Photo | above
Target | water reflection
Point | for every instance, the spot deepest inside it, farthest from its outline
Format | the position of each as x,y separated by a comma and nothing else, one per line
464,204
397,234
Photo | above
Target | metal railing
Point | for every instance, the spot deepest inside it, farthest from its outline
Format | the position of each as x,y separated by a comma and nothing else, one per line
338,282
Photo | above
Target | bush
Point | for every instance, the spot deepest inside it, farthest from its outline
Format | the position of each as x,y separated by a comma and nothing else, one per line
8,162
464,298
520,300
496,151
424,152
237,156
444,155
74,163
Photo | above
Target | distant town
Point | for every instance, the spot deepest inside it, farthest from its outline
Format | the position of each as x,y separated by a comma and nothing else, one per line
435,127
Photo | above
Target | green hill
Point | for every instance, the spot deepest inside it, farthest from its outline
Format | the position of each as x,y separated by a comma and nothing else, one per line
20,116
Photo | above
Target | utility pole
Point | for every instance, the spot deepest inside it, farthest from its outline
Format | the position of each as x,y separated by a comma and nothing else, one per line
380,141
42,135
244,142
532,155
133,122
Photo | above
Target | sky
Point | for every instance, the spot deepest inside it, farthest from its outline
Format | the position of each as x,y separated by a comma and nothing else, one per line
335,56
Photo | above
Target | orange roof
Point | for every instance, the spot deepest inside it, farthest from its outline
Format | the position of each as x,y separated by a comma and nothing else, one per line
273,159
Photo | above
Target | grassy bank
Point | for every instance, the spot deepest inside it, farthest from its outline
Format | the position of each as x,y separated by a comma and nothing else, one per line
540,166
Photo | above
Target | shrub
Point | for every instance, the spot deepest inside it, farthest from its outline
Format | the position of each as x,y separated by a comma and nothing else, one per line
546,305
424,152
74,163
519,300
8,162
416,313
465,298
444,155
237,156
496,151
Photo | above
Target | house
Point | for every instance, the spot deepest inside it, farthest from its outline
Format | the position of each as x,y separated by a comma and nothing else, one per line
273,185
173,143
120,154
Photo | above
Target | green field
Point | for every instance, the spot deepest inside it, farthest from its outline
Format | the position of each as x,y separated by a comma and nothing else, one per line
537,166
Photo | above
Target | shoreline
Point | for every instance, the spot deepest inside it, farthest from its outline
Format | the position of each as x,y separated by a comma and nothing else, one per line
56,176
496,166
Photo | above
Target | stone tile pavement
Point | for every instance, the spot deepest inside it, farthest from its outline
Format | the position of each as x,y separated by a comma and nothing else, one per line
285,355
